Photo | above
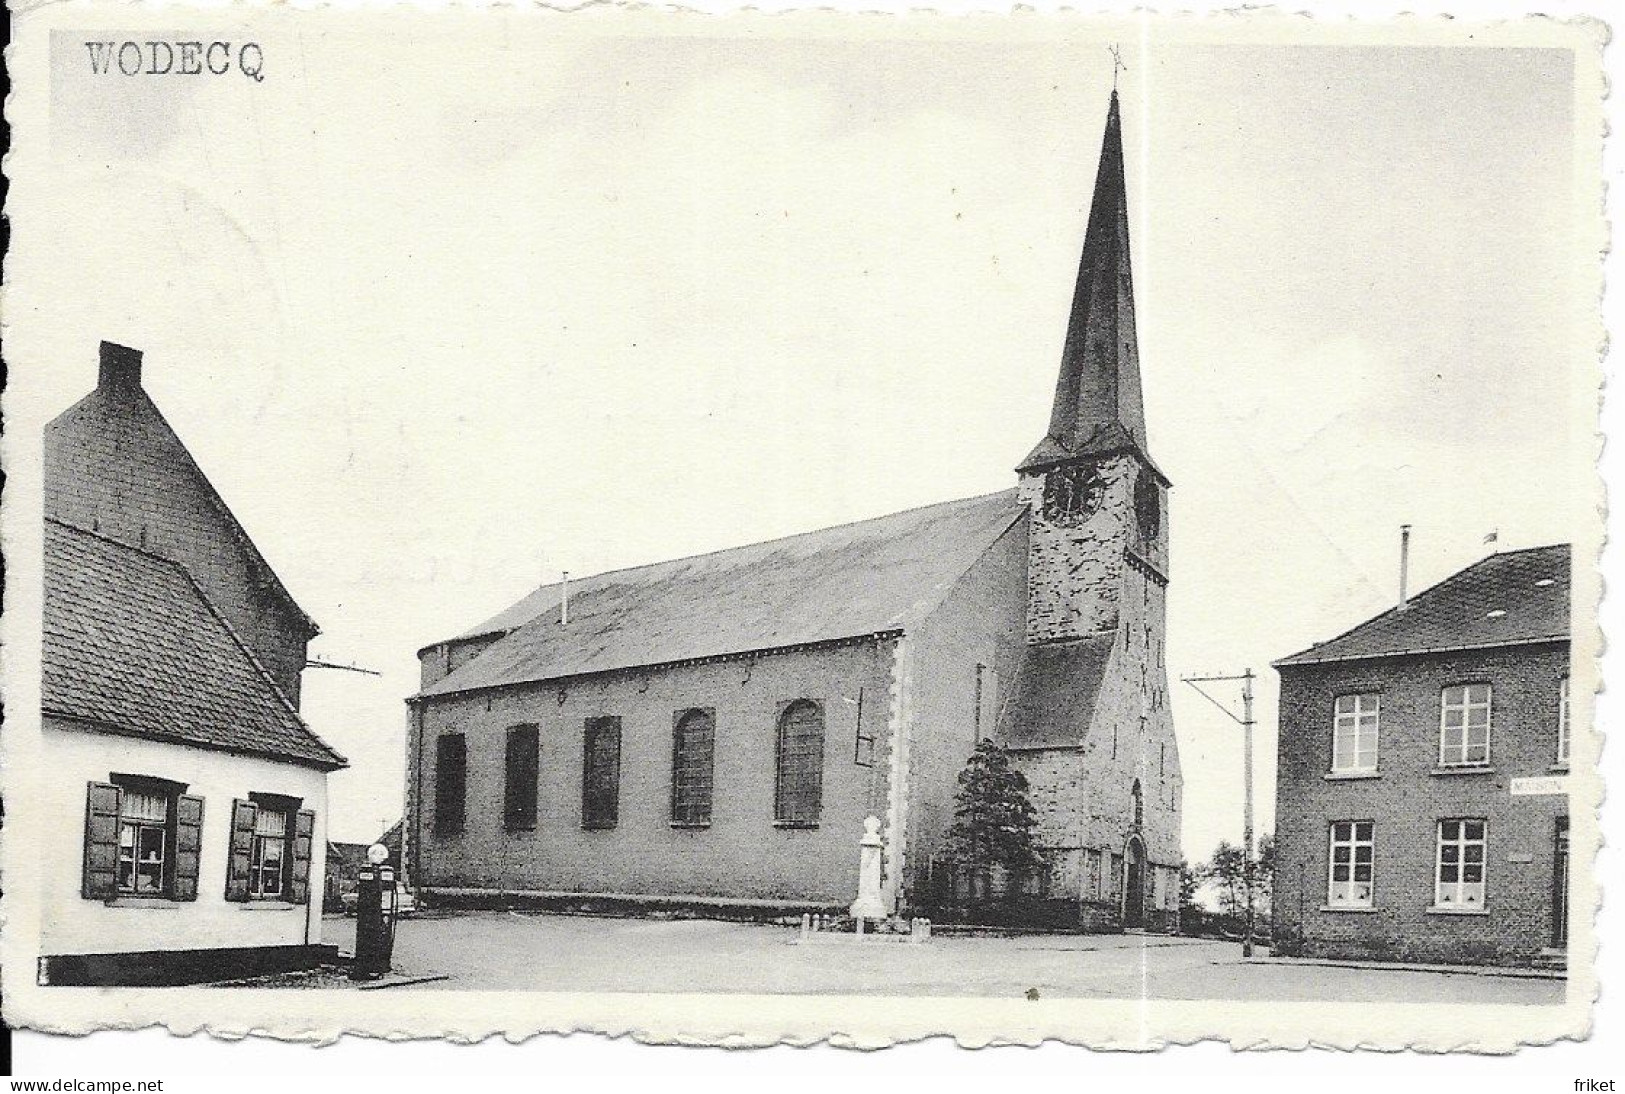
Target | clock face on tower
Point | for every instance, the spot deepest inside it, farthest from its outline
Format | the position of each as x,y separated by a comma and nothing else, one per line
1072,494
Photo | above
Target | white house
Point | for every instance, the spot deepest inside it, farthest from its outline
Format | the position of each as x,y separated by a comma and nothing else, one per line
190,797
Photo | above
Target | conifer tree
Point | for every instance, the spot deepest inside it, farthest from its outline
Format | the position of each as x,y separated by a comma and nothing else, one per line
993,818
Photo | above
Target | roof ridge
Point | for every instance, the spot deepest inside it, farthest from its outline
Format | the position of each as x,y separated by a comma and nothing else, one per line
469,636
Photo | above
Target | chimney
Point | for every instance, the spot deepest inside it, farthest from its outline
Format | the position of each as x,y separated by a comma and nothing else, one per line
1404,563
120,368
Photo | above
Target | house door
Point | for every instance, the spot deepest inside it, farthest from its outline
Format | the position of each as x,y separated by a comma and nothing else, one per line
1134,885
1560,886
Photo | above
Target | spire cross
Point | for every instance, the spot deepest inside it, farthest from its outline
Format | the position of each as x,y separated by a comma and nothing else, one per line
1117,62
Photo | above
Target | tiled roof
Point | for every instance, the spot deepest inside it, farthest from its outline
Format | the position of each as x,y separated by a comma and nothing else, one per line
1055,694
1506,599
849,581
132,646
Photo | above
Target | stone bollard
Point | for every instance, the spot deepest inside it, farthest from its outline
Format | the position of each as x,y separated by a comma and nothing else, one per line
806,926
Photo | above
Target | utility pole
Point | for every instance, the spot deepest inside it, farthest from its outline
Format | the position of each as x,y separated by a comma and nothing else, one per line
1246,723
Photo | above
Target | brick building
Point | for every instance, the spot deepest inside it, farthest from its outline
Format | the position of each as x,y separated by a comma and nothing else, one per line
1421,806
716,729
190,797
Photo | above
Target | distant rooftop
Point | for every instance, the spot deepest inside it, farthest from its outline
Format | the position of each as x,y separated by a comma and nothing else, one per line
1507,599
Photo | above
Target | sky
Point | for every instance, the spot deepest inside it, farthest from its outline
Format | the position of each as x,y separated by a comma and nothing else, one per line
620,299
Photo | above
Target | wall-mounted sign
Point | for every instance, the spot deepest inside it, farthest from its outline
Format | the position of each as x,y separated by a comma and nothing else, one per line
1541,784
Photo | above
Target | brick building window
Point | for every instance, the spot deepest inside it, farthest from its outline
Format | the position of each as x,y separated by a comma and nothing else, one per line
1354,733
1460,872
601,773
1464,725
692,754
521,765
450,783
1563,722
798,784
1349,880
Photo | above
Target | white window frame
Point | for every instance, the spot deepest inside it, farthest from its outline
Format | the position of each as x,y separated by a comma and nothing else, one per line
1563,728
1350,836
1461,894
1463,700
1356,714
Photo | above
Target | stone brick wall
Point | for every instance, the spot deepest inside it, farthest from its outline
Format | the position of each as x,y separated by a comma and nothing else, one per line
114,466
979,623
1406,800
1107,575
1075,572
742,854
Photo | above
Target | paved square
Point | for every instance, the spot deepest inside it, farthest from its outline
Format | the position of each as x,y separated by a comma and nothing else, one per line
517,951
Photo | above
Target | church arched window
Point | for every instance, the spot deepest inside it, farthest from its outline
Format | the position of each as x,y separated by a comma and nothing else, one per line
798,785
1139,805
692,751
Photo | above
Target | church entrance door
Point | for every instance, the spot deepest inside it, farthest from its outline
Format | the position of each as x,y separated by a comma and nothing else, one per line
1134,885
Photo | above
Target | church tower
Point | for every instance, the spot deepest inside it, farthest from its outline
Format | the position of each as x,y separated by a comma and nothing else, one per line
1092,729
1098,503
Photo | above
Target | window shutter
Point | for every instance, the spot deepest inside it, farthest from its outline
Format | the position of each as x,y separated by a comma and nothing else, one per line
241,850
299,884
100,880
188,845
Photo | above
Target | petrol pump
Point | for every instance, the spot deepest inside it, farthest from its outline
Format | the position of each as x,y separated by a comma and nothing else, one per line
375,915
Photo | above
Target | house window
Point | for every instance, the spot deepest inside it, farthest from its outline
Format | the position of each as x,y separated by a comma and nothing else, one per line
143,844
450,783
601,773
1460,875
1349,883
1464,725
1354,733
692,754
269,853
142,836
1563,722
522,761
268,863
799,780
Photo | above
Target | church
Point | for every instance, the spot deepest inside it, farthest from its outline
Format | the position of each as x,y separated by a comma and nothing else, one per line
712,732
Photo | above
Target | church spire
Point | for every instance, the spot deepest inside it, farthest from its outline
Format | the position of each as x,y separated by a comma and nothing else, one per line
1098,407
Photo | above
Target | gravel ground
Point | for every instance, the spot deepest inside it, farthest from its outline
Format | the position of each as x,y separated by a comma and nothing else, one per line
532,952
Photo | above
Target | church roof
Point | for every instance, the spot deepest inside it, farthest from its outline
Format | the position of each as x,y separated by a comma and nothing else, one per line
872,577
1098,407
132,646
1507,599
1055,694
